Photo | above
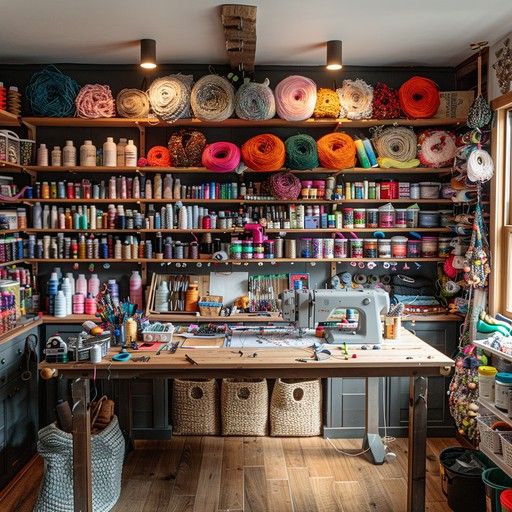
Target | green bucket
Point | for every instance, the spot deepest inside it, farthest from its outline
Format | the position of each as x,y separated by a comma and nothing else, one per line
495,482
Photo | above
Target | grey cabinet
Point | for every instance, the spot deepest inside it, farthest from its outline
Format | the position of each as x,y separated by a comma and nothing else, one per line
345,398
18,407
141,404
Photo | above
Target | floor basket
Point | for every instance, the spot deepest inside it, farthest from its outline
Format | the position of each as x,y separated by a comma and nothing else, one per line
195,407
489,438
244,407
296,408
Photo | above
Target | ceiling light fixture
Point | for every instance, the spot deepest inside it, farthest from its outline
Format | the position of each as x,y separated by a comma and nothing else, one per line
334,61
148,53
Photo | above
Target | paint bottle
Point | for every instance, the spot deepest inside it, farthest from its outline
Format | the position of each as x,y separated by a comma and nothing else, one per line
69,154
56,156
42,155
88,154
130,154
109,153
120,152
136,289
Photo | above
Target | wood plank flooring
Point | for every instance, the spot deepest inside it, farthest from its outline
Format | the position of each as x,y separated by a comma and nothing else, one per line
213,474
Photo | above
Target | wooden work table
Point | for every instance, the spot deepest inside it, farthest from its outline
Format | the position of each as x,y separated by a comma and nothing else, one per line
410,357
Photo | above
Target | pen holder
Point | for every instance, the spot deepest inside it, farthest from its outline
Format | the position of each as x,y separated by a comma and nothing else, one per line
392,327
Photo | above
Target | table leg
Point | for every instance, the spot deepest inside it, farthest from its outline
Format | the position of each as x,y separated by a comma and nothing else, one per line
417,457
82,475
372,440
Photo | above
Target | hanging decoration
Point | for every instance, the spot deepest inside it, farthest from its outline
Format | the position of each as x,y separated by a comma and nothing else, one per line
336,151
480,113
213,98
301,152
51,93
186,148
327,104
419,98
255,101
295,98
503,66
132,103
386,104
356,98
436,148
221,157
169,97
264,152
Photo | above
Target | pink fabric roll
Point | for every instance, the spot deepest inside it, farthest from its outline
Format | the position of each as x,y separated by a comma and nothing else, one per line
221,157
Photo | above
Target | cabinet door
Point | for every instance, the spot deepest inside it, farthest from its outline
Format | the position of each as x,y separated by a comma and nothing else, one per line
443,337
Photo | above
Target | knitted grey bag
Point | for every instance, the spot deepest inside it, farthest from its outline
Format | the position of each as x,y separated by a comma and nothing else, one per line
107,454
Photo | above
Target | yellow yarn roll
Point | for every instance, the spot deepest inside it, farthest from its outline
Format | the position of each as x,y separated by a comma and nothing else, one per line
391,163
327,104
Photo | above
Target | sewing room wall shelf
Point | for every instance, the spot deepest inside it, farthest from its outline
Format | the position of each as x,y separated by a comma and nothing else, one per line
14,262
8,119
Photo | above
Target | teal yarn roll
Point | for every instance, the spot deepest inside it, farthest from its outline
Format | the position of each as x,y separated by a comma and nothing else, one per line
51,93
301,152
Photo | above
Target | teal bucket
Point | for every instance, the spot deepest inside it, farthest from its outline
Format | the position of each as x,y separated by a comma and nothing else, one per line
495,482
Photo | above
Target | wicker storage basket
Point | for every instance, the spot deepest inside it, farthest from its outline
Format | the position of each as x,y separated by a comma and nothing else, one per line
244,407
195,407
296,408
56,447
213,310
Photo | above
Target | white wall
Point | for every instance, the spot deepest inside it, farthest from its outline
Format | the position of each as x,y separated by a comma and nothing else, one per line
494,90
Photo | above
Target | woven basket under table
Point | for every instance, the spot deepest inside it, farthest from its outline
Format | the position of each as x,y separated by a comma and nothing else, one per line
195,407
296,408
244,407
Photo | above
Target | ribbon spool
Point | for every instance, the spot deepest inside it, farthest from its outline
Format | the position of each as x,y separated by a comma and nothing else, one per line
95,101
480,166
436,148
132,103
396,142
295,98
336,151
356,99
221,157
255,101
419,98
213,98
169,97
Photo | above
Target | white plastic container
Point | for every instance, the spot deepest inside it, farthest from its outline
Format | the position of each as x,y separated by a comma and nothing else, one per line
109,153
130,154
120,152
503,385
69,154
56,156
88,154
486,382
42,155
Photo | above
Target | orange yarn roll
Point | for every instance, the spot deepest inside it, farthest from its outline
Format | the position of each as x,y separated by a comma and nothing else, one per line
265,152
159,156
336,151
419,98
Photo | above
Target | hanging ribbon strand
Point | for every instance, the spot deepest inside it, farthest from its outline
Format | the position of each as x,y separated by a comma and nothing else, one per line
213,98
186,148
419,98
169,97
356,98
336,151
132,103
51,93
255,101
301,152
295,98
265,152
436,148
95,101
221,157
327,104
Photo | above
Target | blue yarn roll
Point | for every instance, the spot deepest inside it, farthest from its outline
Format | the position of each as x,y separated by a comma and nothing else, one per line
301,152
51,93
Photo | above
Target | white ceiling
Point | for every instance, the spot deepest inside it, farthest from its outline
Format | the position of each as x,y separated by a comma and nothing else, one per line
290,32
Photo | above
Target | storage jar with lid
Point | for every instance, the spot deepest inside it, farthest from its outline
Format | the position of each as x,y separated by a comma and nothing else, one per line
429,189
486,382
387,216
356,247
399,247
384,248
503,384
428,219
401,218
444,247
429,245
412,216
445,218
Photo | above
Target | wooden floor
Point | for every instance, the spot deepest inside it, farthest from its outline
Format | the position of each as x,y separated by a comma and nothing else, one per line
212,474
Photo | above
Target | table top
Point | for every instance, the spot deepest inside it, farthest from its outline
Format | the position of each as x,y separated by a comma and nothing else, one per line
407,356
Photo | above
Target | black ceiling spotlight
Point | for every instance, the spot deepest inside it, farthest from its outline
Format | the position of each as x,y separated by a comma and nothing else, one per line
334,61
148,53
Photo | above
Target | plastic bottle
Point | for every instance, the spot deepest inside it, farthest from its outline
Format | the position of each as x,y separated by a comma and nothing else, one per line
60,305
93,286
3,96
136,289
130,154
37,216
69,154
109,153
56,156
121,162
42,155
81,285
88,154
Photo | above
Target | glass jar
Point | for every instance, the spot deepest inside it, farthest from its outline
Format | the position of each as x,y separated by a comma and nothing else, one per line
401,218
340,247
306,250
414,248
348,218
384,246
386,216
412,215
359,218
399,247
356,248
444,247
370,248
429,247
372,218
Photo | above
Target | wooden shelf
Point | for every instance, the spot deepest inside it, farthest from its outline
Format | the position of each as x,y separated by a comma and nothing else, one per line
12,231
234,262
237,230
497,459
14,262
10,167
77,122
203,170
8,119
20,329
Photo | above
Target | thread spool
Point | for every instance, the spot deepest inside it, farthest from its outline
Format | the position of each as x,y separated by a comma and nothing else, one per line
290,248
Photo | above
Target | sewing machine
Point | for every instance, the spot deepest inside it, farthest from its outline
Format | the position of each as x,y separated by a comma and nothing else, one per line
308,308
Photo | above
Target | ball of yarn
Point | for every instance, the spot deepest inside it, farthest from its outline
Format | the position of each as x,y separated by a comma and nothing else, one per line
158,156
295,98
336,151
301,152
142,162
186,148
386,104
264,152
51,93
95,101
419,98
436,148
396,142
327,104
169,97
255,101
132,103
356,98
284,185
221,157
213,98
